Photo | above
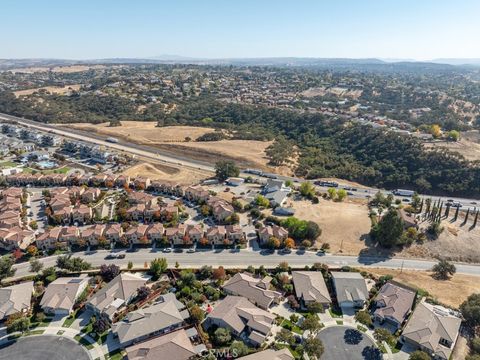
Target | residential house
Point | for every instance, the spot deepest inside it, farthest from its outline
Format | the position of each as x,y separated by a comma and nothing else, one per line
61,294
408,219
393,304
194,233
350,289
82,214
310,288
15,299
176,235
50,239
136,212
176,345
216,235
137,234
155,232
166,315
141,183
242,318
122,181
270,354
136,197
196,193
433,329
276,231
116,294
221,210
94,233
254,289
234,233
113,232
69,235
91,195
16,238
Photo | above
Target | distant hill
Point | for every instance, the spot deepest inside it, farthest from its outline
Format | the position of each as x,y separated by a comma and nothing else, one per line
474,62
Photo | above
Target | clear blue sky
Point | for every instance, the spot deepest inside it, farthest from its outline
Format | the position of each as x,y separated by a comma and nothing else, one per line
85,29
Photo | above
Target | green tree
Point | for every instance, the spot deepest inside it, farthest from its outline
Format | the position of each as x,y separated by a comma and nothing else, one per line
225,169
381,335
470,309
364,317
35,265
388,231
341,194
443,270
238,349
311,323
475,345
313,346
157,267
262,201
197,314
285,336
6,270
315,307
419,355
222,336
332,193
453,135
307,189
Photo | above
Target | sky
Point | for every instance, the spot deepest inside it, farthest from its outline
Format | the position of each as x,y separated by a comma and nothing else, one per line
87,29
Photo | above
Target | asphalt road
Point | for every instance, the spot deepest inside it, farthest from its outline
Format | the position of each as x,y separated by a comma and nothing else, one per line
339,344
44,348
244,258
177,159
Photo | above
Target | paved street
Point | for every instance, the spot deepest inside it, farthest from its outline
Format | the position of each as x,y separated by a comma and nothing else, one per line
244,258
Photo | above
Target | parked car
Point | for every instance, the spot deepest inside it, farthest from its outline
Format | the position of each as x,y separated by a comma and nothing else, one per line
191,250
121,256
111,256
167,250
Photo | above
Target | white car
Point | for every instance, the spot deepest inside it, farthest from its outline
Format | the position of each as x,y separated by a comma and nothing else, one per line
167,250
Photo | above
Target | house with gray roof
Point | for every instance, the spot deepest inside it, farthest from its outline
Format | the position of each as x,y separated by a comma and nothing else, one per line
116,294
163,317
242,318
172,346
254,289
350,289
433,329
15,299
61,294
393,303
310,288
270,354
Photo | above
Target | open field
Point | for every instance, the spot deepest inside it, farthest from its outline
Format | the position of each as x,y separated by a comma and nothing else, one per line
60,69
146,133
344,225
457,242
468,146
247,153
183,176
450,292
51,89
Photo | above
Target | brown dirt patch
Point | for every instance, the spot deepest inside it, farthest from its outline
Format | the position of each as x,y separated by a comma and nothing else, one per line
451,292
183,176
51,89
344,225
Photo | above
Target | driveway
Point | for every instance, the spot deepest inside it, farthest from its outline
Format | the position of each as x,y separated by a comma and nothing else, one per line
347,343
44,348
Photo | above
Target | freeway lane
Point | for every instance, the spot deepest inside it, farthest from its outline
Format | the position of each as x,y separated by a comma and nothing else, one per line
176,159
245,258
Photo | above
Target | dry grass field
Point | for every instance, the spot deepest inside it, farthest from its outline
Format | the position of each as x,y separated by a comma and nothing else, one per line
457,242
61,69
450,292
51,89
468,146
247,153
344,225
184,176
146,132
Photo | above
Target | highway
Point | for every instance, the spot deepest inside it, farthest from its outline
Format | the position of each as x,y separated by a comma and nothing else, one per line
179,160
244,258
